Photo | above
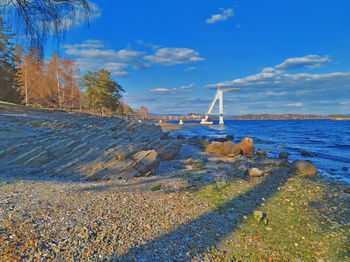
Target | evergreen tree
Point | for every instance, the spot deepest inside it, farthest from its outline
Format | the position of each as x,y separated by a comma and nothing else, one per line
102,92
9,81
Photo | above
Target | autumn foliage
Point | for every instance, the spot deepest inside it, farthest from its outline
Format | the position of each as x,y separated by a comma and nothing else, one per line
26,78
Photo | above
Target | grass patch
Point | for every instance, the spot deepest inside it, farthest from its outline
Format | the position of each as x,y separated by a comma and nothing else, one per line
220,192
156,188
296,231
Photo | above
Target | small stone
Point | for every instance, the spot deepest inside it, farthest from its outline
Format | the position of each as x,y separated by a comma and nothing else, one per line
229,137
262,153
347,190
221,139
306,154
255,172
345,169
259,216
283,155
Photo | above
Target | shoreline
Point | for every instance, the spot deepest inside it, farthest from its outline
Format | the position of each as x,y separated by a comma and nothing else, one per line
195,206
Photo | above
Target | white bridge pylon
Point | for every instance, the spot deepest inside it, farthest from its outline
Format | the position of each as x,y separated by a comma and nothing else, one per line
218,95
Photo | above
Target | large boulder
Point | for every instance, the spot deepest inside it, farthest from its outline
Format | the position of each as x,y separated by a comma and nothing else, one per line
247,146
170,150
226,149
303,168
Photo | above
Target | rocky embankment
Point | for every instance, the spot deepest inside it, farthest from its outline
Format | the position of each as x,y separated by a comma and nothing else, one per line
81,146
75,187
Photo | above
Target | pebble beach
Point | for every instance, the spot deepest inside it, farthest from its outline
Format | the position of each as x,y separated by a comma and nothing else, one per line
192,207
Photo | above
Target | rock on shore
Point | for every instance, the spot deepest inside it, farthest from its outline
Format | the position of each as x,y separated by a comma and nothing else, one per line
246,147
304,168
81,145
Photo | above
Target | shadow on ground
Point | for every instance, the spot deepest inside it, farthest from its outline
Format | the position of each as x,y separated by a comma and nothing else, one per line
209,229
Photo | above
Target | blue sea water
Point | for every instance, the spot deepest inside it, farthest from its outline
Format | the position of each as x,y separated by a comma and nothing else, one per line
328,141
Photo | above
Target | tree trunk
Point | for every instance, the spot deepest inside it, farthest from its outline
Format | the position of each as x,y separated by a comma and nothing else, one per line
58,90
26,84
71,97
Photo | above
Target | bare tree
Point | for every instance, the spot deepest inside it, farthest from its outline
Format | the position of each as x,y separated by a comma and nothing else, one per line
39,18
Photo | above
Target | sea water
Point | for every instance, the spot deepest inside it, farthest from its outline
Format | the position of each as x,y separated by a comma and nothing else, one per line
328,141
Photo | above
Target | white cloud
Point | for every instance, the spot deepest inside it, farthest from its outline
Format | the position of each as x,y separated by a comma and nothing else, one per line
280,79
224,15
311,61
123,55
150,45
272,77
274,90
295,104
187,86
163,91
190,68
93,55
172,91
117,69
174,56
86,44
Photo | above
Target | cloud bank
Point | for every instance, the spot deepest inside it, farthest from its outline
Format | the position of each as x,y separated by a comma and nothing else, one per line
94,54
174,56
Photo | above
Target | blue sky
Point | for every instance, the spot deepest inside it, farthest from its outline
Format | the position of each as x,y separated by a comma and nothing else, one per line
171,56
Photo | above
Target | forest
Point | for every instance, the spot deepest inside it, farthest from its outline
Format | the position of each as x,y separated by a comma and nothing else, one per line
27,78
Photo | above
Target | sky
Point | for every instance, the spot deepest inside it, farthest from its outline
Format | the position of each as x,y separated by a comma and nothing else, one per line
171,56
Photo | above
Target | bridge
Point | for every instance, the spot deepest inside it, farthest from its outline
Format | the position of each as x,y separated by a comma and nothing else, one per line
218,95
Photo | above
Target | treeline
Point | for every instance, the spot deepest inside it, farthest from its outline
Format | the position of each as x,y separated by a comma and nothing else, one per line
26,78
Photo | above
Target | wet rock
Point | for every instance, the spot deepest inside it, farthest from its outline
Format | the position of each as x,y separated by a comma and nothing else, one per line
345,169
255,172
164,135
221,139
227,149
197,163
200,143
181,137
274,162
229,137
283,155
262,153
306,154
204,138
347,190
247,146
303,168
